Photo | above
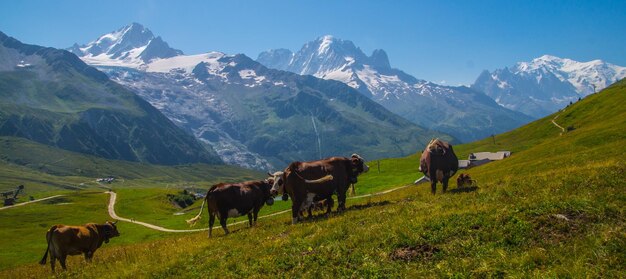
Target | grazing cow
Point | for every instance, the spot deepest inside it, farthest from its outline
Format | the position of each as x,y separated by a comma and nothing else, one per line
438,163
75,240
234,200
464,180
292,181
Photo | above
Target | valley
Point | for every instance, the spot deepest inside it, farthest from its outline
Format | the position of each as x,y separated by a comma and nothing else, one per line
554,205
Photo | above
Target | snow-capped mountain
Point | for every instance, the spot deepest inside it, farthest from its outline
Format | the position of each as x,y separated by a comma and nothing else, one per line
51,97
130,45
262,118
547,84
459,111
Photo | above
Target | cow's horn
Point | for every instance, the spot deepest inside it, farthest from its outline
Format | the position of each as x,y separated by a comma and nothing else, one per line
269,173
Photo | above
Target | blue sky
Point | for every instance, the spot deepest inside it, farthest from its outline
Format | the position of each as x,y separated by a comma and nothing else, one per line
439,41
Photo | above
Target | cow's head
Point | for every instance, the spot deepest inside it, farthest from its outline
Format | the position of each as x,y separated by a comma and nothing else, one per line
437,150
436,147
278,182
110,231
267,185
358,164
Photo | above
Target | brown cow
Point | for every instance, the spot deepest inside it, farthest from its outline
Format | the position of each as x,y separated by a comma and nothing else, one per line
75,240
343,170
234,200
438,162
464,180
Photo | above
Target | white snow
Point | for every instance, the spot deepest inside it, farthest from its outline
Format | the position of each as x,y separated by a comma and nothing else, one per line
187,63
325,45
339,75
106,60
586,77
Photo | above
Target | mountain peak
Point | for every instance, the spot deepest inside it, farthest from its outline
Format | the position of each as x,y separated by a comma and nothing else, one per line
547,83
380,59
136,25
548,57
325,43
327,38
131,44
278,58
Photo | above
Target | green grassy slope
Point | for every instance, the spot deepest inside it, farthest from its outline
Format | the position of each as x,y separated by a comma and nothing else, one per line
555,208
40,167
47,171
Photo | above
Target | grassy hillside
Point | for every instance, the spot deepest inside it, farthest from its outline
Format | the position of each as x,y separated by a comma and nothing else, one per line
555,208
40,167
47,171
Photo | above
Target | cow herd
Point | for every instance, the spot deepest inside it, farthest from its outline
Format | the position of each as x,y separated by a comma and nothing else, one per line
307,184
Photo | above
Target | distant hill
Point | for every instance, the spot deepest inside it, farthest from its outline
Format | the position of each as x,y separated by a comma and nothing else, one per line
50,96
547,84
462,112
43,168
263,118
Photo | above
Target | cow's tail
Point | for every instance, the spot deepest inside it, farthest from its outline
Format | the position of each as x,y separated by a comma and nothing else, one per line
48,239
193,220
326,178
293,167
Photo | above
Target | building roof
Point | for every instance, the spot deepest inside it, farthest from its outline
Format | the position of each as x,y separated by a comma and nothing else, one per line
493,156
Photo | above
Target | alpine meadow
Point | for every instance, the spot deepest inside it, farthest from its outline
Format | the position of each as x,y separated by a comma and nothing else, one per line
132,154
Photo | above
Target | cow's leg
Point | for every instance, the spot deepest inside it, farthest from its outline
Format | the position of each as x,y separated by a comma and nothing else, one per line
256,214
223,223
445,183
310,211
433,186
341,198
62,261
211,222
295,211
53,260
88,256
433,181
329,206
250,218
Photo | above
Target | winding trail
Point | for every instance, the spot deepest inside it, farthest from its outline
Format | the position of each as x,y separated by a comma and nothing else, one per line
28,202
557,125
114,215
113,199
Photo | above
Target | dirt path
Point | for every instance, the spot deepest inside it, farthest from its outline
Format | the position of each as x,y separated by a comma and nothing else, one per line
114,215
28,202
557,125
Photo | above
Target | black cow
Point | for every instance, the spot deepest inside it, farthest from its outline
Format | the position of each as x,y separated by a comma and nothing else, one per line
234,200
438,163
